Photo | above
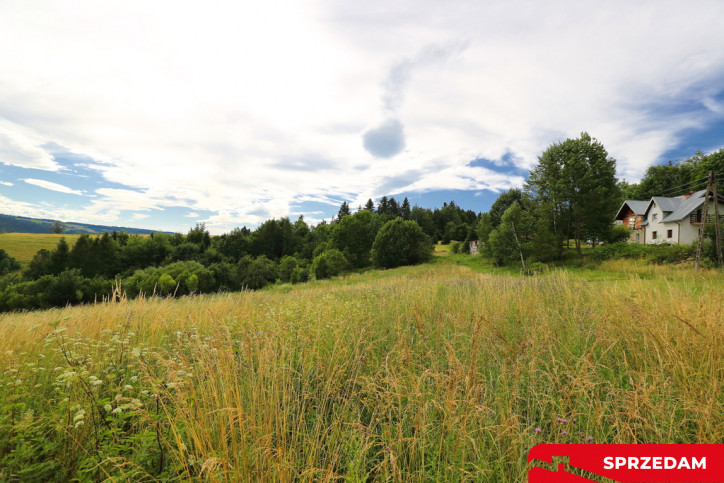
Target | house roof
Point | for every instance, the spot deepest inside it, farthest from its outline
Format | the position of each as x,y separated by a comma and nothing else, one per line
638,207
675,208
670,204
687,206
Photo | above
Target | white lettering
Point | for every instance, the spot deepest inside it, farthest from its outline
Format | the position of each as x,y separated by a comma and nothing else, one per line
653,463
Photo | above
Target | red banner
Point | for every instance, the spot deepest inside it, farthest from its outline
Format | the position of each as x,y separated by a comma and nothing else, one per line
661,463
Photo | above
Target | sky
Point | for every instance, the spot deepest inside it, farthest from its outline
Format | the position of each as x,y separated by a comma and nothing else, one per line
165,114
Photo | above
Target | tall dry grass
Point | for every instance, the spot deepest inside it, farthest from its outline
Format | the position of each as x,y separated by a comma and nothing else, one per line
425,373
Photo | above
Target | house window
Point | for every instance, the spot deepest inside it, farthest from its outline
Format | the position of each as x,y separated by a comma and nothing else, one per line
654,217
637,238
669,233
653,235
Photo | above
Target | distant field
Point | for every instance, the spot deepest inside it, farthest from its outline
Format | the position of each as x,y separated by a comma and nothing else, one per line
23,246
430,373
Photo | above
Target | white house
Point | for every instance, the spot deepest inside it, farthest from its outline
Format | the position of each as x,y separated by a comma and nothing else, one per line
676,220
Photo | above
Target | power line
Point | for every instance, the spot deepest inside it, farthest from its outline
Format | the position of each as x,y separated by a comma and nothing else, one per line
691,186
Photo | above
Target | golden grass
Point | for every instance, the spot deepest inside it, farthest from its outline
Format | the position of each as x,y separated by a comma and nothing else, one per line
425,373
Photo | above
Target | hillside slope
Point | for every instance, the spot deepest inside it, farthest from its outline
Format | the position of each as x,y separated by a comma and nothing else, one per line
21,224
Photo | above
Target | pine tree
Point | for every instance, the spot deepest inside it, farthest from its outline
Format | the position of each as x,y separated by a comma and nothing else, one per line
394,209
383,208
343,211
405,210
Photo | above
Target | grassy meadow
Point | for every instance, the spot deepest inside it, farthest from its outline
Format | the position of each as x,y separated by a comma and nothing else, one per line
438,372
24,246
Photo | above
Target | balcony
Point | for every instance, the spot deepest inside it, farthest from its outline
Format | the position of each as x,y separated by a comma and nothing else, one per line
695,218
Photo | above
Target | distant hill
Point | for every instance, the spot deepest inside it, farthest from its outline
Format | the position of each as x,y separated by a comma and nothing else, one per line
21,224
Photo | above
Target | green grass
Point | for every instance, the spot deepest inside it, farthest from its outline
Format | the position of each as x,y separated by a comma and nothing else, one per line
430,373
23,246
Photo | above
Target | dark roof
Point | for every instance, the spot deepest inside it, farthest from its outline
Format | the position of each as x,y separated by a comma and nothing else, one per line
638,207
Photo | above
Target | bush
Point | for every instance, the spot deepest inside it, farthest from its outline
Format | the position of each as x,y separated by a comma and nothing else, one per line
287,265
618,250
329,264
619,233
7,263
661,254
455,246
299,275
534,268
256,273
401,243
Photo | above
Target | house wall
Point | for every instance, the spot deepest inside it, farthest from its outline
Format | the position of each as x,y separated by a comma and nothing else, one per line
633,222
689,232
682,232
660,229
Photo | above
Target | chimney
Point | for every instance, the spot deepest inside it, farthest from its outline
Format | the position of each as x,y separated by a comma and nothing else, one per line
688,195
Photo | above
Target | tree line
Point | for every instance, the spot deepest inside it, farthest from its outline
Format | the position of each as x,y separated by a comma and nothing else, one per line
279,250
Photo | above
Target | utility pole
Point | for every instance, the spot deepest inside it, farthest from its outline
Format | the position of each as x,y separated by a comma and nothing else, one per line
717,221
710,189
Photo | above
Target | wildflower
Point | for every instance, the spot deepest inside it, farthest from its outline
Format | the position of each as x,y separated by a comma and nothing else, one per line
127,387
108,408
537,430
590,439
565,433
561,420
117,411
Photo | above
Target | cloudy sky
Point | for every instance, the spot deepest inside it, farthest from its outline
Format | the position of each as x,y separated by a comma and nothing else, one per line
161,114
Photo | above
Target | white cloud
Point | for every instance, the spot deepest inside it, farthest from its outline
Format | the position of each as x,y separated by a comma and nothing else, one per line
6,183
19,149
245,109
49,185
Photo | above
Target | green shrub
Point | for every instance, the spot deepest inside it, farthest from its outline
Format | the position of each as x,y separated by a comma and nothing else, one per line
329,264
256,273
401,243
7,263
618,250
661,254
619,233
